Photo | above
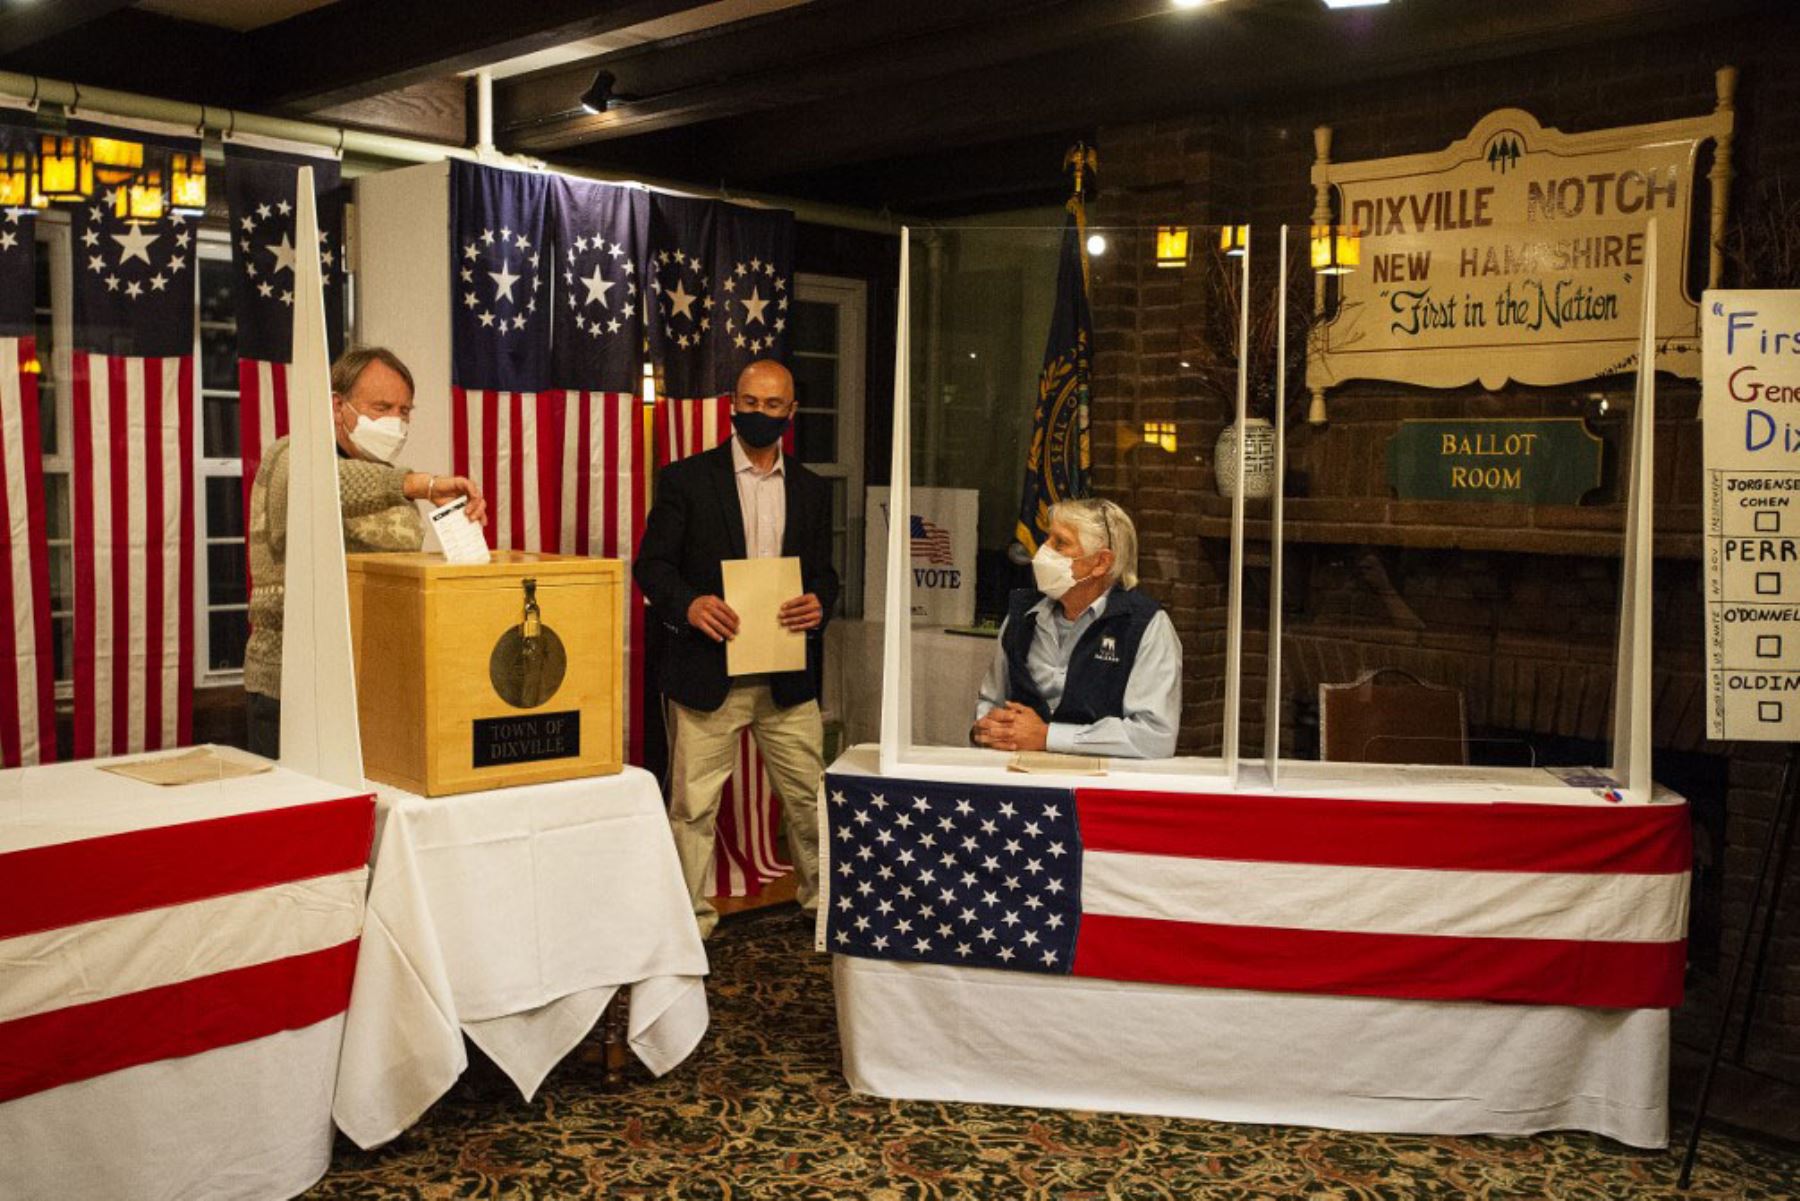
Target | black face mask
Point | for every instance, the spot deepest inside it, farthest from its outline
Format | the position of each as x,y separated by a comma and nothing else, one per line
759,429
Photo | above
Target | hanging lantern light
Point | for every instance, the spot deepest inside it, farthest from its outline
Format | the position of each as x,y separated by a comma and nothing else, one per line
15,178
65,173
115,160
187,183
1234,240
142,199
1171,246
1336,249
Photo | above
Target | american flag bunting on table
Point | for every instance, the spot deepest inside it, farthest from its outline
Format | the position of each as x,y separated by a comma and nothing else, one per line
260,180
27,687
133,398
256,918
1580,905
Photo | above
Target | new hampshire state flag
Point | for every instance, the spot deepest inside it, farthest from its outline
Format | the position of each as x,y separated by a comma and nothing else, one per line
1056,467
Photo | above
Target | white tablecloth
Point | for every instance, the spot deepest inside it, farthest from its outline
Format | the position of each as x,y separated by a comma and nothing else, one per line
224,1115
513,916
926,1032
947,672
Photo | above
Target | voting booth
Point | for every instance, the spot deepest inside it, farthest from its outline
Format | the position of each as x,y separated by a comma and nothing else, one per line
1254,934
481,676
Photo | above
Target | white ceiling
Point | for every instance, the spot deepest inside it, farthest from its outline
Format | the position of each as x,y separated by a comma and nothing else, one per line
232,14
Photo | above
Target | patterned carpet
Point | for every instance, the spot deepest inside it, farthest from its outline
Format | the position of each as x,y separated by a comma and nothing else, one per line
761,1111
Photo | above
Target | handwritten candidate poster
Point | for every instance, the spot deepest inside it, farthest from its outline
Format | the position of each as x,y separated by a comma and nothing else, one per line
1750,407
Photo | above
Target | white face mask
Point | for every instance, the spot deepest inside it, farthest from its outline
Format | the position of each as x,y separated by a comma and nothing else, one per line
1053,571
380,438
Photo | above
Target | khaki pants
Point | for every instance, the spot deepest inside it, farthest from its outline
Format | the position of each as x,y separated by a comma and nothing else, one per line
792,742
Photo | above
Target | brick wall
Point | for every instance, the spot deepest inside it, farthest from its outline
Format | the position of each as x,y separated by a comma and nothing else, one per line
1514,604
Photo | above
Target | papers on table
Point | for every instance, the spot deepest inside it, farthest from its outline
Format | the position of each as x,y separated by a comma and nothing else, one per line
460,537
756,589
192,767
1056,763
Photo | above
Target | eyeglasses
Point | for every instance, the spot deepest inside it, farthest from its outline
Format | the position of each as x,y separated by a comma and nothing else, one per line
774,406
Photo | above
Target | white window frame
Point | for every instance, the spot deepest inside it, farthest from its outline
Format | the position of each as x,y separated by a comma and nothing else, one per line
213,245
851,299
55,239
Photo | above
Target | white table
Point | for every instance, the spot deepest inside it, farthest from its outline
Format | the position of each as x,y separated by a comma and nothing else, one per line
947,673
513,916
929,1032
174,967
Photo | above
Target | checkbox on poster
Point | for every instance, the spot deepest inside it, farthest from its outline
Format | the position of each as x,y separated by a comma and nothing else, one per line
1768,711
1768,522
1768,646
1768,583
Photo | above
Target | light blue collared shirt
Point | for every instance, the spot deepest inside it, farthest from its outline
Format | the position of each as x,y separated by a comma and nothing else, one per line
1152,691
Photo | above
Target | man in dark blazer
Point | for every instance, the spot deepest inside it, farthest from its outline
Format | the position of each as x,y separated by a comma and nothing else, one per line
743,499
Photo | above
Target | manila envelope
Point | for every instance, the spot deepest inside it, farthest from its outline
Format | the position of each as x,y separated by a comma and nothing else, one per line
755,589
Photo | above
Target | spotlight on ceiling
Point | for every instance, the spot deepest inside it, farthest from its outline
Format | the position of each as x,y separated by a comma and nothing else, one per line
599,97
1192,3
1096,244
1353,3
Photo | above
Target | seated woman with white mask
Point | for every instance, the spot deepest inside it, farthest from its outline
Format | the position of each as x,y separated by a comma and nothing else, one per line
371,405
1086,664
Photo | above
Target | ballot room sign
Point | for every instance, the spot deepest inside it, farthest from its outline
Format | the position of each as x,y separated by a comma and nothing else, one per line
1750,408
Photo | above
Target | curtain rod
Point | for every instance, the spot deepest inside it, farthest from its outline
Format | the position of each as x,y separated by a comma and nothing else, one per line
389,148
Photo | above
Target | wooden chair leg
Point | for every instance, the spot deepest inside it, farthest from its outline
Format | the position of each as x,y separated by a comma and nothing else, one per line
615,1028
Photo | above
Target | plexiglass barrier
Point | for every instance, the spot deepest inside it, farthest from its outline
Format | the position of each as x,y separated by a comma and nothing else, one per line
1375,521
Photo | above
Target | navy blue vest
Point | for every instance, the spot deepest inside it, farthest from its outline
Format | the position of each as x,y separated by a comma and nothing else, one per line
1100,666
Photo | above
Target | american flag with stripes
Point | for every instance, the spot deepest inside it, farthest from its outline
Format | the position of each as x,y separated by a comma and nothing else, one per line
1549,904
27,696
931,542
133,398
260,182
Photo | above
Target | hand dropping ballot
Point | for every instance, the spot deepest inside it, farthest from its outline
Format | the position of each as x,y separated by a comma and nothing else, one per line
460,537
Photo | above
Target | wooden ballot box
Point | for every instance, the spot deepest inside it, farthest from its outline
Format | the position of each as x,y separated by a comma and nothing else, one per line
485,676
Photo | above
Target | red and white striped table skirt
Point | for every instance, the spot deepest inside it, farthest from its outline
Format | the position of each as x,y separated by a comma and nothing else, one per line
175,963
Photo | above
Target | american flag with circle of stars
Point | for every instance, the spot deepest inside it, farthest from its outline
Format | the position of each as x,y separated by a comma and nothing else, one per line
260,193
134,280
500,260
262,183
720,277
756,298
973,876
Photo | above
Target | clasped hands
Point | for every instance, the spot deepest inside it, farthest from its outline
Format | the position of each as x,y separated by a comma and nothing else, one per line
718,621
1011,727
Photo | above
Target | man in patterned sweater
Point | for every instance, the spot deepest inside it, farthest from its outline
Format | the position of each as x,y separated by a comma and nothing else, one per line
372,402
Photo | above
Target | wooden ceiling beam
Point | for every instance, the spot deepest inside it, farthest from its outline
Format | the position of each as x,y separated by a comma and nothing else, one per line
1250,52
354,49
809,57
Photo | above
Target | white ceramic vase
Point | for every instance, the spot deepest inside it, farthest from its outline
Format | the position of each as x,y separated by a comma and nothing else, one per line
1259,459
